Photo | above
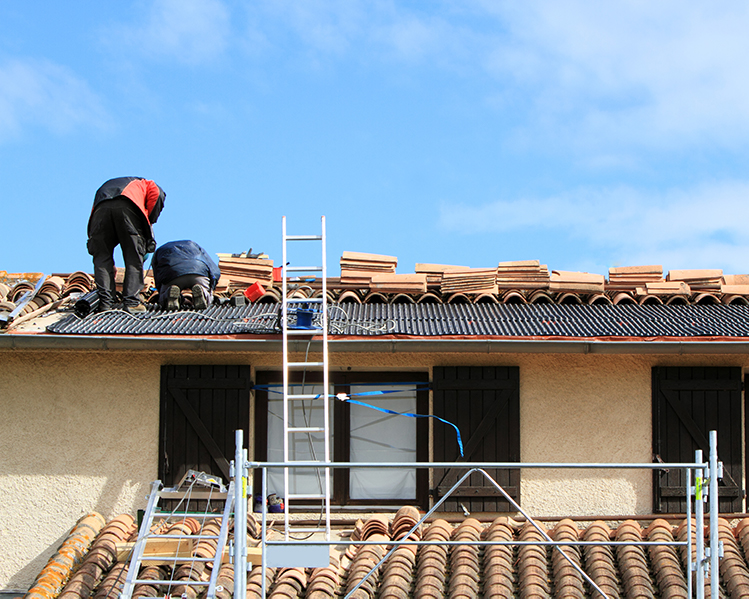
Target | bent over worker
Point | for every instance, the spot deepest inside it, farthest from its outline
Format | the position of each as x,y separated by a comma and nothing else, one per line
123,212
179,265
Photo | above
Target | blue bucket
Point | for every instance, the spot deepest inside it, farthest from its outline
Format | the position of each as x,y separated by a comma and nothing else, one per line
304,319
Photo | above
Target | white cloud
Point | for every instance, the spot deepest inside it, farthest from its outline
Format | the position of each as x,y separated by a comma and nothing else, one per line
189,31
700,227
636,74
35,92
361,28
596,77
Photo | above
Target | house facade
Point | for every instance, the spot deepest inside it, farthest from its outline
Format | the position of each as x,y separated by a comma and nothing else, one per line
91,418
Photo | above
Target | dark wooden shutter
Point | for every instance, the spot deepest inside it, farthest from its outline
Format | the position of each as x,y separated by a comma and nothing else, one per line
688,402
201,407
484,402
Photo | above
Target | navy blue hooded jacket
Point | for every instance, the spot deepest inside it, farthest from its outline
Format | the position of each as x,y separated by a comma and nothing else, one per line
177,258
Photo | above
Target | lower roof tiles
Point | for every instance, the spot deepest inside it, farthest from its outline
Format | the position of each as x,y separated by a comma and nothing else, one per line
457,570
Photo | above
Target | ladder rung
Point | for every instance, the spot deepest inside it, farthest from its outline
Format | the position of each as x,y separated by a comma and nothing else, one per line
306,529
172,583
299,496
161,558
305,364
306,429
308,332
180,515
182,537
304,269
302,396
298,300
304,238
194,495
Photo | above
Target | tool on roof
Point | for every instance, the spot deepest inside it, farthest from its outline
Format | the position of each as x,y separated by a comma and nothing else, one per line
25,299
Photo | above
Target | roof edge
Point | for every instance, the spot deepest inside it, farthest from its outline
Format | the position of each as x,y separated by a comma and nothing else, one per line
371,345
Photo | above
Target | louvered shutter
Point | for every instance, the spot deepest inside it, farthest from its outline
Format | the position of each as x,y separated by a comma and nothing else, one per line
201,407
688,402
484,402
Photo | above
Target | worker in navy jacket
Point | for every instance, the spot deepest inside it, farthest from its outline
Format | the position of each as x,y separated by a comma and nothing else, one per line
179,265
124,210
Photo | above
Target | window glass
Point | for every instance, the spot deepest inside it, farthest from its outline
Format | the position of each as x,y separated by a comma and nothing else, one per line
303,446
381,437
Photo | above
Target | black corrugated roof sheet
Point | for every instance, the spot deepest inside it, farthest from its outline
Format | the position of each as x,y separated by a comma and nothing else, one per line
546,320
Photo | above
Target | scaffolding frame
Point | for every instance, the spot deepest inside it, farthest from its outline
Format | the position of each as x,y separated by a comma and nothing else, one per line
704,489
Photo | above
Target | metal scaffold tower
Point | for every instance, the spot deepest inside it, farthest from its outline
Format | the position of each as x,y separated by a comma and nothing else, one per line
303,420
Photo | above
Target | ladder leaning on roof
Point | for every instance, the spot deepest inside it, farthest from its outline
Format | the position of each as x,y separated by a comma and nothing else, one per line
305,317
174,549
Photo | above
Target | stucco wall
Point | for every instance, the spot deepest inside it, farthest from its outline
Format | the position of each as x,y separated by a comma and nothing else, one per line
77,434
80,431
585,409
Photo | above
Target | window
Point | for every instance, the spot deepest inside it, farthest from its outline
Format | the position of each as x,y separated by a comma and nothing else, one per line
360,434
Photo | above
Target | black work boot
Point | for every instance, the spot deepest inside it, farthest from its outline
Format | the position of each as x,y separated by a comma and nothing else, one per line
173,295
198,299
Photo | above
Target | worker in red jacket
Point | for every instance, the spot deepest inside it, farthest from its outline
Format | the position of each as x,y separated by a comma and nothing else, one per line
124,210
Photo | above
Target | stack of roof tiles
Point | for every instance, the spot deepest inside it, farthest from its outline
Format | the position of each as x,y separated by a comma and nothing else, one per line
735,284
429,571
629,278
698,280
469,280
239,272
358,268
580,282
523,274
434,272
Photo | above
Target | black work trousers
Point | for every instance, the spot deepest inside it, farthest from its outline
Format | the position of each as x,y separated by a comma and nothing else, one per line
117,222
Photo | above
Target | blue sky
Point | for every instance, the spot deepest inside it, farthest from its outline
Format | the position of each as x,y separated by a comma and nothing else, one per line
584,135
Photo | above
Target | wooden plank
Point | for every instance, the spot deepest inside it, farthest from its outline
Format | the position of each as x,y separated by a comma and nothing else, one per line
177,554
155,547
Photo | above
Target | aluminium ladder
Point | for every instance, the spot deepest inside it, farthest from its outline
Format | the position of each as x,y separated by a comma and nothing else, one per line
215,492
315,323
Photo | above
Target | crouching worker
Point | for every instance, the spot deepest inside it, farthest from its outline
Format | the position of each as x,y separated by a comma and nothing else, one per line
179,265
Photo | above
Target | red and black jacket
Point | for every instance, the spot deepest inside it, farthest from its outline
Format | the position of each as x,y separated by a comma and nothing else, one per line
144,193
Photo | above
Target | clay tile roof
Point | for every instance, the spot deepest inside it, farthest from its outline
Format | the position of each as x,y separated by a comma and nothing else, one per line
521,300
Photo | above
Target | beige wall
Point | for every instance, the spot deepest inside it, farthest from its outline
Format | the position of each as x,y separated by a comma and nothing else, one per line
79,433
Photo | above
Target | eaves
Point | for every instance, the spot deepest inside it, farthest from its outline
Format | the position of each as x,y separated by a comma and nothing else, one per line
382,344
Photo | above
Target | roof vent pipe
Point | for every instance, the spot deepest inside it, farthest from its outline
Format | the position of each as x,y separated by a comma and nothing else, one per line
87,303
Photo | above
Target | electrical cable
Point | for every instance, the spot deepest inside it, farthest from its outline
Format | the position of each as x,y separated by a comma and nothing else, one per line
338,328
347,398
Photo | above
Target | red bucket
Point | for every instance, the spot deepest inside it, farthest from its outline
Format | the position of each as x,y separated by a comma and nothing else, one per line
277,275
254,292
